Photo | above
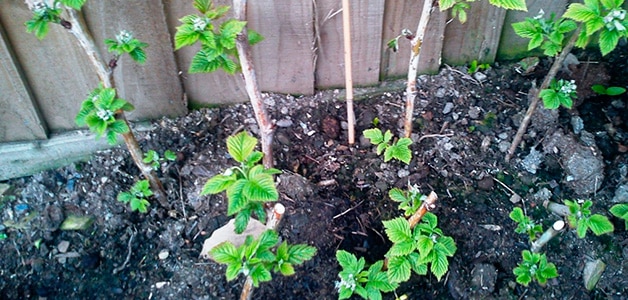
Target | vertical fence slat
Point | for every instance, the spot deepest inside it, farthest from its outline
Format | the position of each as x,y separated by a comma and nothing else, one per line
55,68
366,26
153,88
19,117
478,38
398,15
284,60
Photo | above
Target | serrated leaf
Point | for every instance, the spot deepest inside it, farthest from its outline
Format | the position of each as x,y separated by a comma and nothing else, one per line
517,215
138,55
226,253
398,230
254,37
260,188
240,146
237,201
600,224
348,261
608,41
446,246
510,4
621,211
446,4
550,98
579,12
286,269
202,5
229,31
439,265
397,195
260,274
268,239
241,221
525,29
227,64
424,245
205,61
300,253
374,135
185,35
400,249
218,184
581,228
125,197
76,4
398,269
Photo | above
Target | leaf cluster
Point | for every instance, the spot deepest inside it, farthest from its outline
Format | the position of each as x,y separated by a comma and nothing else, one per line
152,158
409,201
606,17
217,40
534,267
525,224
474,67
416,249
126,43
609,91
137,197
255,258
248,185
354,278
580,217
560,92
459,7
98,113
399,149
621,211
549,34
44,14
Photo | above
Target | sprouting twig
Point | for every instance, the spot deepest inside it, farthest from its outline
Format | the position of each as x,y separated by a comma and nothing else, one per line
346,211
551,232
128,255
428,204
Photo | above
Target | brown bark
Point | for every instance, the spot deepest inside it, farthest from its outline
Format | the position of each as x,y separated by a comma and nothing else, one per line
558,62
266,128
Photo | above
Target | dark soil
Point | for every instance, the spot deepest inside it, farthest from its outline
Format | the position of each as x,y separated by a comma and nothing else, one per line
335,194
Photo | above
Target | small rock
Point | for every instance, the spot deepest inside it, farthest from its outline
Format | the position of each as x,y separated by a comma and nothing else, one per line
448,108
440,93
479,76
284,123
621,194
403,173
592,272
515,198
577,124
3,188
76,222
160,284
486,183
618,104
63,246
163,254
503,136
503,146
532,161
542,195
483,277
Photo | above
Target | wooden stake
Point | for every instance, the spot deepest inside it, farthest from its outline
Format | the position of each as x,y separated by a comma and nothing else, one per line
346,29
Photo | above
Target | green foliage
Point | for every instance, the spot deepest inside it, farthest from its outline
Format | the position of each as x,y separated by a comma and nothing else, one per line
152,158
561,92
604,16
137,197
248,185
610,91
98,113
255,258
474,66
416,249
459,7
409,201
621,211
43,14
580,217
534,267
368,284
217,40
525,224
76,4
126,43
399,149
549,34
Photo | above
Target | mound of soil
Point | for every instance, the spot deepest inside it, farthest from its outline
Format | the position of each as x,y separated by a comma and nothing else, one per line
336,196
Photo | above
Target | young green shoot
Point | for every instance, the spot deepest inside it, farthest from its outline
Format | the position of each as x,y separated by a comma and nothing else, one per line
621,211
580,217
152,158
474,67
126,43
609,91
604,19
354,278
137,197
248,185
255,258
525,224
559,93
548,34
399,149
98,113
409,201
534,267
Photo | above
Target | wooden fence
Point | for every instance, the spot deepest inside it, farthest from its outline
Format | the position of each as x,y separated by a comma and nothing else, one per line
42,83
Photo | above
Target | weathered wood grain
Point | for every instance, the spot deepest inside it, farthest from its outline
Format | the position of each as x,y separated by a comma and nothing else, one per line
399,14
478,38
19,117
153,88
366,33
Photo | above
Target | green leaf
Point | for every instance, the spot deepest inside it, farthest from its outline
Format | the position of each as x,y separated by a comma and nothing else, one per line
401,248
580,12
374,135
608,41
112,138
39,27
517,215
347,261
425,244
300,253
550,98
218,12
138,55
525,29
446,246
621,211
185,35
254,37
241,221
260,188
259,273
599,89
439,265
397,195
226,253
237,201
170,155
205,61
125,197
398,230
600,224
268,239
240,146
286,269
446,4
254,158
202,5
400,150
535,41
378,279
566,26
229,31
510,4
615,90
76,4
227,64
119,126
398,269
218,184
581,228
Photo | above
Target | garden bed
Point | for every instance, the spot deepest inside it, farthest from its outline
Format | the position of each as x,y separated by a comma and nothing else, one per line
336,195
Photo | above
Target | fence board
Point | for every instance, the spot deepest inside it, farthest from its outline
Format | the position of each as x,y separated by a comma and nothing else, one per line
19,117
478,38
398,15
284,61
153,88
366,33
56,68
511,46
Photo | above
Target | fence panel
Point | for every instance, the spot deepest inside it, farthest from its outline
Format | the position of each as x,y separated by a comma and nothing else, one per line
19,117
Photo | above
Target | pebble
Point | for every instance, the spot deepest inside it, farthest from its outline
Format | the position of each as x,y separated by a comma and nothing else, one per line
503,136
486,183
284,123
163,254
474,112
448,108
160,284
403,173
479,76
592,272
63,246
577,124
440,93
